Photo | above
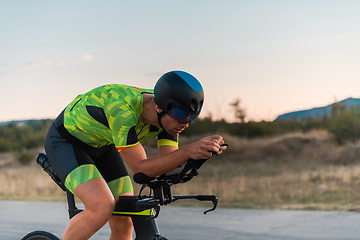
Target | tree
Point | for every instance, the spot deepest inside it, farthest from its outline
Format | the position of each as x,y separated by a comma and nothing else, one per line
238,111
345,123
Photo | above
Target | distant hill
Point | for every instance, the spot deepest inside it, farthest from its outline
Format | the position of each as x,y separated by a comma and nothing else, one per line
317,112
20,122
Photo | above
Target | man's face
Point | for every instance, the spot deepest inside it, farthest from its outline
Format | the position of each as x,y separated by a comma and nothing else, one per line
172,126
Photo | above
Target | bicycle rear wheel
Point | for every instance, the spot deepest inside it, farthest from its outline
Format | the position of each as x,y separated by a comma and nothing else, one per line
40,235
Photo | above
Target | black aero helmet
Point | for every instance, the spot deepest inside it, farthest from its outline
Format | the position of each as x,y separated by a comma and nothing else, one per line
180,95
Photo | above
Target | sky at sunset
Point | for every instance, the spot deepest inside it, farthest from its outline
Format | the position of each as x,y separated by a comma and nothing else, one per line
275,56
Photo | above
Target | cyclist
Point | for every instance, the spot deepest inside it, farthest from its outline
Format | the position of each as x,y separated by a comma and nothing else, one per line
84,142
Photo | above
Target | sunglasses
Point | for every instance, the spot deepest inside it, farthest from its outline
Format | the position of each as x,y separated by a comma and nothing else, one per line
181,114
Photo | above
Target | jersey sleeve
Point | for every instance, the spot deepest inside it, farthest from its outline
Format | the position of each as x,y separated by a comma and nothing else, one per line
127,138
123,129
165,139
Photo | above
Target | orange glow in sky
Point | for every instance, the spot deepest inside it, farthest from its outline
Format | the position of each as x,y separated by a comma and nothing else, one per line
276,56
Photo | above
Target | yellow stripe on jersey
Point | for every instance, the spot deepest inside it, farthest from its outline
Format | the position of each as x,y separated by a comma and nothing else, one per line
167,142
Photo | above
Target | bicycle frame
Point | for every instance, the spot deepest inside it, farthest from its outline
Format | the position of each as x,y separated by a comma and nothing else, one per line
145,228
142,209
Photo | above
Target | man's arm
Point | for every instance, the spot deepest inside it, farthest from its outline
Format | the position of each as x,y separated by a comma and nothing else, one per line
136,158
166,149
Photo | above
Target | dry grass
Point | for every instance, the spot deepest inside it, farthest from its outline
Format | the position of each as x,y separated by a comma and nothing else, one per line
30,182
293,171
324,188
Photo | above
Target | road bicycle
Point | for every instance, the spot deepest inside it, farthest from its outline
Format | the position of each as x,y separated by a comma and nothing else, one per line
143,209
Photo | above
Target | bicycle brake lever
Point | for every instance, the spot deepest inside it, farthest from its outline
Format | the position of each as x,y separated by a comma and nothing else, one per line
211,198
214,200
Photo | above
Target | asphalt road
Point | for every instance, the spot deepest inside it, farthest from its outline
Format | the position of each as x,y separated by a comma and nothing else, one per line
18,218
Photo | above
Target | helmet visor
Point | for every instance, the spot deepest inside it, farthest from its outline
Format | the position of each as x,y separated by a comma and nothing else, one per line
182,115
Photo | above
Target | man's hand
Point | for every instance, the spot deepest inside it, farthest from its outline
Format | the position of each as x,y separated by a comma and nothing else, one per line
203,148
170,159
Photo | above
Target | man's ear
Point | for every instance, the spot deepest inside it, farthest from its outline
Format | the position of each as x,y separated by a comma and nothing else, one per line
158,109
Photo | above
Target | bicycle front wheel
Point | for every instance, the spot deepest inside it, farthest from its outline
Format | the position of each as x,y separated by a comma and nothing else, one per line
40,235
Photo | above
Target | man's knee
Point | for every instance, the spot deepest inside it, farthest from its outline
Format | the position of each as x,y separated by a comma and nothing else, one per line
102,209
97,199
120,224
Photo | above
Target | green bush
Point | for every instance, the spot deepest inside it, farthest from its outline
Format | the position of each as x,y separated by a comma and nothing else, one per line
345,124
31,134
25,157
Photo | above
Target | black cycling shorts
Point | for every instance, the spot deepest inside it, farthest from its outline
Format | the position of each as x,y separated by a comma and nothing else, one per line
76,162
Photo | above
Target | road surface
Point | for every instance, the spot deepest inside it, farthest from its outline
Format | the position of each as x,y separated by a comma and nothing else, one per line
18,218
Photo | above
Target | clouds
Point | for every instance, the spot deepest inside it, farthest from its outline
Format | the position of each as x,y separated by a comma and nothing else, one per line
40,63
87,57
47,62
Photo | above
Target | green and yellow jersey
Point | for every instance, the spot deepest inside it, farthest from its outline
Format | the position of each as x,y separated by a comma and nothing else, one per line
112,114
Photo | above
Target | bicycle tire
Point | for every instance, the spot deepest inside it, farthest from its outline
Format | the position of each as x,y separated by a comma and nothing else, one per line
40,235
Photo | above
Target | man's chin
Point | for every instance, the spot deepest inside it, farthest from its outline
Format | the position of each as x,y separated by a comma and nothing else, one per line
174,132
178,131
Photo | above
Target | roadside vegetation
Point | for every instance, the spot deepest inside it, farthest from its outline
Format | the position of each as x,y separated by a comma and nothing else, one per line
295,164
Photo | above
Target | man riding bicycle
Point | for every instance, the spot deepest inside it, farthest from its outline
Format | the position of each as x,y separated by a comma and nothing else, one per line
84,142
